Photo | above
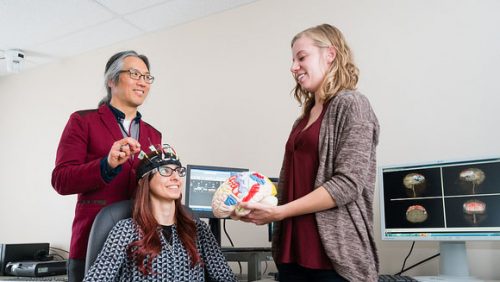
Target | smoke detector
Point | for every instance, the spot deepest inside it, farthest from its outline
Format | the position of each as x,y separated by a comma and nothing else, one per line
11,61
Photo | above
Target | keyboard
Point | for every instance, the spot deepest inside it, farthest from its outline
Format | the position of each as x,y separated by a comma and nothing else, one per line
395,278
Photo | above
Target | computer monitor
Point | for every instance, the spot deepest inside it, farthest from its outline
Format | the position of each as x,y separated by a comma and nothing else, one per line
450,202
270,226
201,183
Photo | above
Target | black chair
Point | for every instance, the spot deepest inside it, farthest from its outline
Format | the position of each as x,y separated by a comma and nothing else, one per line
103,223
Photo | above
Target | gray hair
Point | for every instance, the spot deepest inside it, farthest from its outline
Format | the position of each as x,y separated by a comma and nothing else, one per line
113,68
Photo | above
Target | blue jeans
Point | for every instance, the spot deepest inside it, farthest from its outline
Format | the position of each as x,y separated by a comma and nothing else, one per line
289,272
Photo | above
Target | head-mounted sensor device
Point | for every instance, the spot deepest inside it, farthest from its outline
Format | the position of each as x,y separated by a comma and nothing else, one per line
158,156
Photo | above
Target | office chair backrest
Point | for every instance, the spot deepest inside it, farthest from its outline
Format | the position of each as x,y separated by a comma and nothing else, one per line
103,223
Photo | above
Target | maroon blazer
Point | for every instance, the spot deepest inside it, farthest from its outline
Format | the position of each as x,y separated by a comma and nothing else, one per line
86,139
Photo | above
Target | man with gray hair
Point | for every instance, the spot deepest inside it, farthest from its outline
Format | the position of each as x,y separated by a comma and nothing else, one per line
95,157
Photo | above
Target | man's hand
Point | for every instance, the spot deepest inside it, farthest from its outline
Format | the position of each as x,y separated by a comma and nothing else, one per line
122,150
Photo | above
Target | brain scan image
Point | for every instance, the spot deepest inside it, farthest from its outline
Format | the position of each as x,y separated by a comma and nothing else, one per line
474,211
415,184
471,178
416,214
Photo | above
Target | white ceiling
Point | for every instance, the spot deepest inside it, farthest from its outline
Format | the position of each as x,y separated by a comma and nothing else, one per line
47,30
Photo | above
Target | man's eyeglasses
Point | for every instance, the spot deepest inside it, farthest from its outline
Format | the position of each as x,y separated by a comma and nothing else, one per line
167,171
136,75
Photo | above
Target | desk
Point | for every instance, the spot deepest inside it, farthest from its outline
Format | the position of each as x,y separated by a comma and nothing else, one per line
449,279
253,256
41,278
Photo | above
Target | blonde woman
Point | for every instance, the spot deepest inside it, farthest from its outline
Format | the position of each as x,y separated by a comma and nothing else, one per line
327,181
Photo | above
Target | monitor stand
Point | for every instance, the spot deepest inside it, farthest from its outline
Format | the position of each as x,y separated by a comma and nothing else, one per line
453,265
453,259
214,224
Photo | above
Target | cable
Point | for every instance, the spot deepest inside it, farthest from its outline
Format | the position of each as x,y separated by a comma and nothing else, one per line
58,255
225,232
403,269
232,244
409,253
54,248
265,268
418,263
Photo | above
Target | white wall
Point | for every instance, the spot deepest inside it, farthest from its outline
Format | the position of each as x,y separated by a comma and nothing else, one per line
222,97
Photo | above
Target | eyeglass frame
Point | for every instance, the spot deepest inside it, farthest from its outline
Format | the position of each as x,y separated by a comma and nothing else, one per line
181,171
148,78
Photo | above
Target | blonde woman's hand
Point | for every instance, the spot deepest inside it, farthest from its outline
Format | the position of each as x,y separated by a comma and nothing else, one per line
261,213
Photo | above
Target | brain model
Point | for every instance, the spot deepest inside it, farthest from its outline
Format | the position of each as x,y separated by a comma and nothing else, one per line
243,187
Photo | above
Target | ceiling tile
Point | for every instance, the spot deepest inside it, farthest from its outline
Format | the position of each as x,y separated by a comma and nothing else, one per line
179,11
98,36
25,23
124,7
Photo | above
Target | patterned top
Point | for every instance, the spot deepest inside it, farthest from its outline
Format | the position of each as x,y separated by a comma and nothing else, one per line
171,264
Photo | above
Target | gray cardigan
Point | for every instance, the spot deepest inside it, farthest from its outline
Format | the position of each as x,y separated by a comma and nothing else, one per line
347,169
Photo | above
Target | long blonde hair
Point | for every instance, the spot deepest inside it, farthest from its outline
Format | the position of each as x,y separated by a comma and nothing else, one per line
342,74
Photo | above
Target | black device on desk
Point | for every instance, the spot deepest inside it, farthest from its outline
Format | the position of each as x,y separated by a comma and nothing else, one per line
20,252
24,279
36,268
29,259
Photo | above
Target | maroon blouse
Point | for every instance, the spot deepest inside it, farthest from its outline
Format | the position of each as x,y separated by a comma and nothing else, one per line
300,241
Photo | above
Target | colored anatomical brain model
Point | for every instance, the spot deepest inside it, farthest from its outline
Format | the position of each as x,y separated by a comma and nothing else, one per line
242,187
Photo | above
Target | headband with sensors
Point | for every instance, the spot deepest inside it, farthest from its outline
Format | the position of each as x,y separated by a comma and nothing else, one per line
158,156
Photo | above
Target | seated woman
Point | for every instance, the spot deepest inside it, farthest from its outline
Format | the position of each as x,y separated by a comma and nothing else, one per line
161,242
